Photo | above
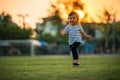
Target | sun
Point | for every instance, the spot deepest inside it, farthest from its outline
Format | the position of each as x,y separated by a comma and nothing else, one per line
81,13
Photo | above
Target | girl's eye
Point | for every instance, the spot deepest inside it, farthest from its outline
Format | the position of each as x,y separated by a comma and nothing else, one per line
71,18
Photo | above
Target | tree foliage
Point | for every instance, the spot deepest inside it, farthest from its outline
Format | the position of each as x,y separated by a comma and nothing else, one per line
10,30
111,27
107,16
64,7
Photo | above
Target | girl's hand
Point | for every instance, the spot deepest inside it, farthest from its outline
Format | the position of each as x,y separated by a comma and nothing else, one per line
89,37
62,32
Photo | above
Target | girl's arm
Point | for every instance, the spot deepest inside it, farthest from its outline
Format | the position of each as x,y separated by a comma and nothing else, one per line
89,37
63,32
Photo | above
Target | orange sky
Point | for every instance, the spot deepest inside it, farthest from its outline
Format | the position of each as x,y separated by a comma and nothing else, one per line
96,6
38,8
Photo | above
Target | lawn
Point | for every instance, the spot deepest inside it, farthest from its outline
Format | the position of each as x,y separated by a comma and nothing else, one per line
93,67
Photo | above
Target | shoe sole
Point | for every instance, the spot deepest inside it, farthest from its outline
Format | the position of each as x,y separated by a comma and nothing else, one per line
76,64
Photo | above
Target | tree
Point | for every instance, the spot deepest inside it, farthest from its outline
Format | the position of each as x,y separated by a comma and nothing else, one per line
10,30
108,17
64,7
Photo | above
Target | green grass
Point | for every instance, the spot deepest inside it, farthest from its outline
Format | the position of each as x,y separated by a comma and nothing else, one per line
93,67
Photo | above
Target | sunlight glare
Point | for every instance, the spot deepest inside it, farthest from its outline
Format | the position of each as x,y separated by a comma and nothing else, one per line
27,20
81,13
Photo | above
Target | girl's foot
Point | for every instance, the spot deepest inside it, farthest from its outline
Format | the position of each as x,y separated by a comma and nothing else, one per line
76,63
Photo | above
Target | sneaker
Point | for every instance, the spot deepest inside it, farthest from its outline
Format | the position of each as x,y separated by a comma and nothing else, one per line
76,63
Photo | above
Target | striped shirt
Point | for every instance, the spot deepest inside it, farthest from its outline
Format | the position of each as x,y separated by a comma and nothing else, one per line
74,33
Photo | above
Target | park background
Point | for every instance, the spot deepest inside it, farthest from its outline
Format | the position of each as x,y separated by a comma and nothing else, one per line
32,48
33,27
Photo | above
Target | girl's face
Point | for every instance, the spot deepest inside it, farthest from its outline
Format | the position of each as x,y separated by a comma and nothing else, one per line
73,20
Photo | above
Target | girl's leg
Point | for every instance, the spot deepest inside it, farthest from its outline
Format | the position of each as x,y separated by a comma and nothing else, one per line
73,48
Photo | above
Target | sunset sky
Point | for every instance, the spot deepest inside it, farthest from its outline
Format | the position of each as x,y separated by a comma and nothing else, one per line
38,8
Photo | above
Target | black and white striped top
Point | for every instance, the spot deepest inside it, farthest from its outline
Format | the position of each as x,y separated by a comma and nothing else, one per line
74,33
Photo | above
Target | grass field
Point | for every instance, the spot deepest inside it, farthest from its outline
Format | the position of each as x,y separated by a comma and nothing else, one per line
93,67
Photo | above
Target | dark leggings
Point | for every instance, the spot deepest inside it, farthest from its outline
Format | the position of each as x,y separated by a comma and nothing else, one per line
73,48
